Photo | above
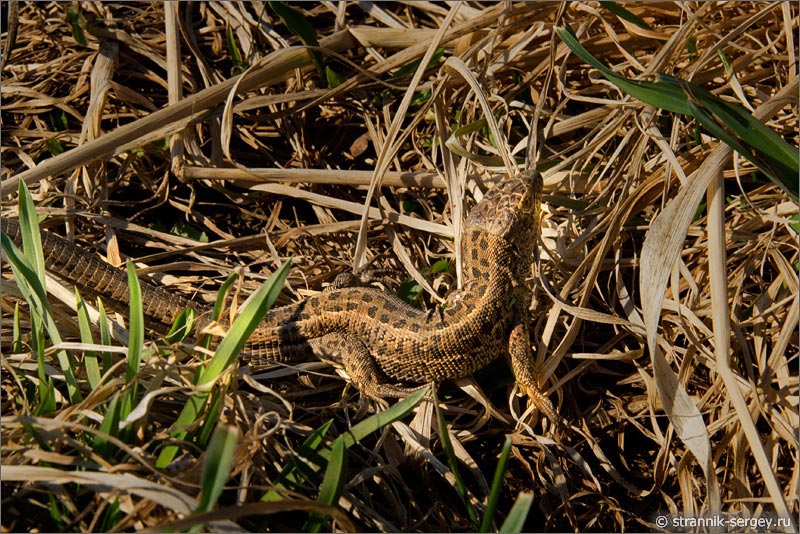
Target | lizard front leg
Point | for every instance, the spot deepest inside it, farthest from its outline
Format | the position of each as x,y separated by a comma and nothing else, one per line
519,349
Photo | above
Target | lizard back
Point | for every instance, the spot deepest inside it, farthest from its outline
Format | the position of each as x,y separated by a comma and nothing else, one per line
408,344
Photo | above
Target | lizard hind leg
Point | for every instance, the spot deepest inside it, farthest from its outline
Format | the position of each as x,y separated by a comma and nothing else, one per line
359,364
519,349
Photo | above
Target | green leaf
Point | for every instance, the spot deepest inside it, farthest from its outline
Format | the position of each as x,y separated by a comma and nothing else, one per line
110,426
729,122
410,68
182,229
212,416
452,462
497,487
515,521
111,516
691,47
89,357
384,418
665,96
36,435
54,146
410,291
289,475
219,305
47,397
624,14
28,269
29,286
105,335
136,325
190,413
420,97
440,266
349,438
239,64
227,352
751,138
55,510
725,63
333,78
244,325
332,485
216,467
58,120
297,24
457,147
16,332
182,326
78,23
31,238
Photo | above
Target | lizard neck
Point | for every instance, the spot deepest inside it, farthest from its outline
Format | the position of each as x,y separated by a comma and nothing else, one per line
491,259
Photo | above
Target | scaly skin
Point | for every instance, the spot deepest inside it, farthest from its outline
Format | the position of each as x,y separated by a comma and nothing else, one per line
383,343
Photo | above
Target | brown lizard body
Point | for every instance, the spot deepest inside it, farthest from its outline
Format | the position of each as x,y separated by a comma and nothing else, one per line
383,343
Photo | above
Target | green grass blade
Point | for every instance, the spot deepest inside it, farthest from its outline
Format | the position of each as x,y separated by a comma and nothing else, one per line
497,487
452,462
244,325
216,467
734,126
36,435
190,413
135,326
290,474
302,28
54,508
32,289
89,357
47,397
665,96
731,123
410,68
111,516
294,471
624,14
332,485
384,418
135,349
182,326
29,284
219,307
227,352
26,283
29,228
515,521
32,245
78,23
110,426
239,64
16,332
219,304
105,335
212,416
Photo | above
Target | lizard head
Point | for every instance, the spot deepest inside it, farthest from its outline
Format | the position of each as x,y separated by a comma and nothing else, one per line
511,210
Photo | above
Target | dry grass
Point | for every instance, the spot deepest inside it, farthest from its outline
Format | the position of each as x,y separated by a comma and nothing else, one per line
726,311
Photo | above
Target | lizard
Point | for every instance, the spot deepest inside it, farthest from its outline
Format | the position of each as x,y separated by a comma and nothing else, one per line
384,344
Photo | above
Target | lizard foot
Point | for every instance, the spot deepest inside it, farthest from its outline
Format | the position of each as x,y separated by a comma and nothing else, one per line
525,373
